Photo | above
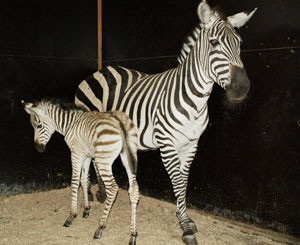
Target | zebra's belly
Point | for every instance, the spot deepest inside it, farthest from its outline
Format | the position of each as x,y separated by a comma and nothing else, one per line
195,128
146,140
186,133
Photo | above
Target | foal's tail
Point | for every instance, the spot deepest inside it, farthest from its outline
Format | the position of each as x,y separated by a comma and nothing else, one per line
129,139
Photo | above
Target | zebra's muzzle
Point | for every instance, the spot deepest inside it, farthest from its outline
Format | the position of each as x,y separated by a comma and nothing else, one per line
239,87
40,147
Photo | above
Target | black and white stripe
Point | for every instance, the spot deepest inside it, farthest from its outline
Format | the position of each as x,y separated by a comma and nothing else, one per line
102,136
170,108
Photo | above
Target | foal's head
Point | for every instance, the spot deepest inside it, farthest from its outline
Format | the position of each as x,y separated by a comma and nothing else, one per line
41,122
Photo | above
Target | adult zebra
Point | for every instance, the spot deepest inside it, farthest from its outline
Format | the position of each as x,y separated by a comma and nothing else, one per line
170,108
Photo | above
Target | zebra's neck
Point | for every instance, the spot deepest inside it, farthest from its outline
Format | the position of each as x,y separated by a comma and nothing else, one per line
196,86
63,119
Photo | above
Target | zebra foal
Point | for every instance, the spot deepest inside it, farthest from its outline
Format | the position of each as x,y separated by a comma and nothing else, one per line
101,136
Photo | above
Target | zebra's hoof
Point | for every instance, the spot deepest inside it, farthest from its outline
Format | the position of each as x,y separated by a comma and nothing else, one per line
70,220
193,226
133,239
189,238
98,232
101,196
86,212
67,224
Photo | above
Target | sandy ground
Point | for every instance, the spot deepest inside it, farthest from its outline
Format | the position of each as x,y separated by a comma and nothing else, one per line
38,219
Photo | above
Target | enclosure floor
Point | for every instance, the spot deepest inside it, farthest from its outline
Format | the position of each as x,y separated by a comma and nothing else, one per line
38,219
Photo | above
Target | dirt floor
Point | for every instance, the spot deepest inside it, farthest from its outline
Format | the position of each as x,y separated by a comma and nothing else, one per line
38,219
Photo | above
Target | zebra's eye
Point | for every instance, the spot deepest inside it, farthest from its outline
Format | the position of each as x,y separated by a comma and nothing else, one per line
214,42
39,126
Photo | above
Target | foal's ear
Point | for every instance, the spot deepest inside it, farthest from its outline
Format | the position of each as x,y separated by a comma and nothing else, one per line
240,19
31,109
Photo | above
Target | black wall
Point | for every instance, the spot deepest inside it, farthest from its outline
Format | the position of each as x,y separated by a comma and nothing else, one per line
248,162
46,48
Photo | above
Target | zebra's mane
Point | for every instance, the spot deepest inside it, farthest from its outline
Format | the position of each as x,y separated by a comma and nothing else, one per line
61,104
188,44
190,39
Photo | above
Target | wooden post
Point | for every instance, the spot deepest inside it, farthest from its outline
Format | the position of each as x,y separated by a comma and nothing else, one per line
99,34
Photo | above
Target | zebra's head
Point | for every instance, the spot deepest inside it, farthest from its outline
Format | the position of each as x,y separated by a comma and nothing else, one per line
42,125
222,62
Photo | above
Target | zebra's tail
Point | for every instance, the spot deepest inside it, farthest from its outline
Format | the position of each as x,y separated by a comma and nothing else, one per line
129,139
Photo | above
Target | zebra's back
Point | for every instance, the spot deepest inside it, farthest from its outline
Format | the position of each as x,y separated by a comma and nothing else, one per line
100,90
133,92
98,133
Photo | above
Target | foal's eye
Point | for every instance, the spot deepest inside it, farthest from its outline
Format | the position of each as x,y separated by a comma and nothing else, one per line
214,42
39,126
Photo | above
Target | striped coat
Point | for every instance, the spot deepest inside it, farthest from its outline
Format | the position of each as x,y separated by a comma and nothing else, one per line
101,136
170,108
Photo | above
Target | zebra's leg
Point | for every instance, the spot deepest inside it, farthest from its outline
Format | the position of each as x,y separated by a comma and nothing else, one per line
84,180
111,187
101,194
90,193
186,156
134,196
171,162
134,199
77,161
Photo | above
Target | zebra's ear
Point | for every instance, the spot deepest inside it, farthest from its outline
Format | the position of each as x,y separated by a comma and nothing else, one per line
27,107
30,109
35,111
205,12
240,19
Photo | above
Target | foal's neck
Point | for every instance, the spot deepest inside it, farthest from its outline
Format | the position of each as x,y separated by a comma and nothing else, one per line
64,118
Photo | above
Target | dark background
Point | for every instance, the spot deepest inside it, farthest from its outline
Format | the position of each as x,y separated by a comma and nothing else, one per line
248,163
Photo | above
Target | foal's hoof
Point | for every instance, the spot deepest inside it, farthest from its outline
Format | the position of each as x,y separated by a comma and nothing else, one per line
86,212
70,220
189,238
193,226
133,239
98,232
67,224
101,196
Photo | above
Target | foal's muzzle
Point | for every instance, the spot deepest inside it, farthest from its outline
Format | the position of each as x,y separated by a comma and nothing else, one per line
40,147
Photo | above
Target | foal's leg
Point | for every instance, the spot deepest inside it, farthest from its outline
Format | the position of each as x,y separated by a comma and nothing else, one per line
77,162
85,183
111,187
101,195
90,193
134,197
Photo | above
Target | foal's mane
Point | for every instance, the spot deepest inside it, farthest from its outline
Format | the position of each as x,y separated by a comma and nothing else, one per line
62,104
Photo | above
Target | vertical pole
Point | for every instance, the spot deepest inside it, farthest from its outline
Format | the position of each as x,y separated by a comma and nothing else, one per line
99,34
